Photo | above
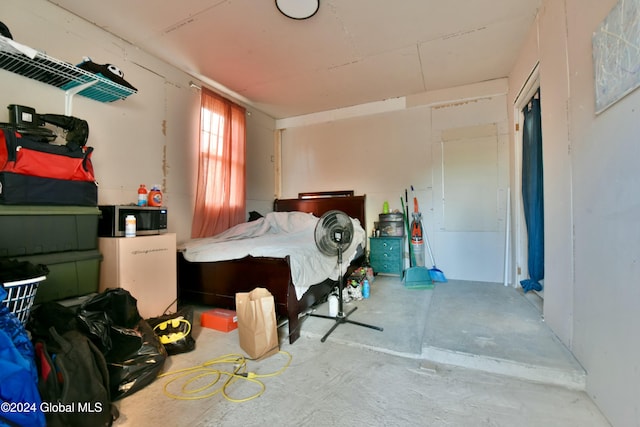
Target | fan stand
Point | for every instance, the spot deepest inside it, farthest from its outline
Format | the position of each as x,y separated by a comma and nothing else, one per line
341,317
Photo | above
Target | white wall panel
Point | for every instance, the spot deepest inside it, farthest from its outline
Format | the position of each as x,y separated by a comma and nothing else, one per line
383,154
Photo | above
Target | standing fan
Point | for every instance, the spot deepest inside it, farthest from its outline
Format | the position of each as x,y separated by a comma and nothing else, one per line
333,234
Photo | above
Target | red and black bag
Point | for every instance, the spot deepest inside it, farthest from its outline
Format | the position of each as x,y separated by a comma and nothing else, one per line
35,172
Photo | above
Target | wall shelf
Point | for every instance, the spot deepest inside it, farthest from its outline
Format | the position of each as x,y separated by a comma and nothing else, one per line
28,62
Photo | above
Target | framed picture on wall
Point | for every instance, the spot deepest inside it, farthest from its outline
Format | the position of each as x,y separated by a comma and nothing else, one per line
615,54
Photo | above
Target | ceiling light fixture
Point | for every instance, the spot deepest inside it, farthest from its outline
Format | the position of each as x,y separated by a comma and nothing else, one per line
298,9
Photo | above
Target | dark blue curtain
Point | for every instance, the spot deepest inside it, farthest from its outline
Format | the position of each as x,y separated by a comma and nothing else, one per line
532,193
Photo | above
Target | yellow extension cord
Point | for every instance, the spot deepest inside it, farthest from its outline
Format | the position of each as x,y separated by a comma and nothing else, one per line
197,373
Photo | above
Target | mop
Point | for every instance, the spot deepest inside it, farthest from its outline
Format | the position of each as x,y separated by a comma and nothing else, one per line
417,275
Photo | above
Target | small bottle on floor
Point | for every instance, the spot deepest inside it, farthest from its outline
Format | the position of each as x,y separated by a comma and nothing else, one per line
333,305
365,289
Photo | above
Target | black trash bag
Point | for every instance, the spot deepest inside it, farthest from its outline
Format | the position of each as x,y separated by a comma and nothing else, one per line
114,307
174,330
135,356
136,359
120,306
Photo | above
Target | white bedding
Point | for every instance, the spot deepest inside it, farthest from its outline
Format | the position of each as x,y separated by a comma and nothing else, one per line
277,235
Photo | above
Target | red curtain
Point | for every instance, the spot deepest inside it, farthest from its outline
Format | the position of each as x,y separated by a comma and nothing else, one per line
220,193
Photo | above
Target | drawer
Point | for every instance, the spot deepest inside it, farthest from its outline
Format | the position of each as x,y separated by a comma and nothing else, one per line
386,267
386,245
386,257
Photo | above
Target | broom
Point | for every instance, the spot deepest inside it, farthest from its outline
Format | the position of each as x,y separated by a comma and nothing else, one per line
405,215
436,274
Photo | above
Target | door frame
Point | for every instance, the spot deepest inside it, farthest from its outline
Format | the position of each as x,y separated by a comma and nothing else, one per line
528,90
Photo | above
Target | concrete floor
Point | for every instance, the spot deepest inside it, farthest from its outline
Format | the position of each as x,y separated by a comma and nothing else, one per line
461,354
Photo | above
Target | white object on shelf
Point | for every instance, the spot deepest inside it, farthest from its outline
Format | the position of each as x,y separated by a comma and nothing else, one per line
130,226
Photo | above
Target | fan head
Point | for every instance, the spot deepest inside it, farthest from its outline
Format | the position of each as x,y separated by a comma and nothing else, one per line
334,232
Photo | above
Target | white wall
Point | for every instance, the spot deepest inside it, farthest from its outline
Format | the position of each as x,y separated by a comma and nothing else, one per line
592,237
260,162
381,153
607,236
150,137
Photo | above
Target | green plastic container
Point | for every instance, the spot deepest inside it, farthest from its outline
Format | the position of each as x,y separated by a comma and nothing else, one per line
29,230
71,274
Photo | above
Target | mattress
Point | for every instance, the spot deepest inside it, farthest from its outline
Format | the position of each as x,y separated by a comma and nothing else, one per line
277,235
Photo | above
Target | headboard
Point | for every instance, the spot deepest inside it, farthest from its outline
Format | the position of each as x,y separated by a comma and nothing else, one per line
320,202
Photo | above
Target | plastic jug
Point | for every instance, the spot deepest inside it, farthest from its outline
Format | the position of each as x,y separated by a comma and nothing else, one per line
155,196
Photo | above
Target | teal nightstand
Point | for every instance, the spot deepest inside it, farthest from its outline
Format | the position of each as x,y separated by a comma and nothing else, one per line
385,254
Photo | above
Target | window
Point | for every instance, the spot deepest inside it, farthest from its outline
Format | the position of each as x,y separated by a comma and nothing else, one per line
220,192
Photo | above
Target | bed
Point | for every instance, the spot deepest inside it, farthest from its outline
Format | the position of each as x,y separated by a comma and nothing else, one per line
215,283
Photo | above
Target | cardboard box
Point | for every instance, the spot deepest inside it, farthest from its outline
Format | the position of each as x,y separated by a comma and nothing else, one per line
219,319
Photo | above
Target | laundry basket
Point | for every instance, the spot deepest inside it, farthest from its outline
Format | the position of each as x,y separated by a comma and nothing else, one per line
20,296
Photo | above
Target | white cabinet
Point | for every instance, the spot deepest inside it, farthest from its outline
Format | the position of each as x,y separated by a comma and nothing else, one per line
143,265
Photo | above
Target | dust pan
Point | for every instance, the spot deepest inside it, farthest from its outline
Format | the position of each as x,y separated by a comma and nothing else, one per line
436,274
418,278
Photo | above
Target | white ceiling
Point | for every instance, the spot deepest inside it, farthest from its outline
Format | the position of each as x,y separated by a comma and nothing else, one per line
351,52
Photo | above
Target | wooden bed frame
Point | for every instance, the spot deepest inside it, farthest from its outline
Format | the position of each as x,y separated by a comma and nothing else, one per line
216,283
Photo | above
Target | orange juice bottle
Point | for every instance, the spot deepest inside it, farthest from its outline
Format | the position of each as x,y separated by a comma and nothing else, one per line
142,195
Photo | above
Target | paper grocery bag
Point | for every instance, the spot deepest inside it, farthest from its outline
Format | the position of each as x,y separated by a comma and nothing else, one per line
257,325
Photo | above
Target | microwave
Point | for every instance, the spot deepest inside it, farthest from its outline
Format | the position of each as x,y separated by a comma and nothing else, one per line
149,220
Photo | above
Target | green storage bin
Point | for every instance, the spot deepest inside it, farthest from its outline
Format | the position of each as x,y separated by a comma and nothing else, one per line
71,274
30,230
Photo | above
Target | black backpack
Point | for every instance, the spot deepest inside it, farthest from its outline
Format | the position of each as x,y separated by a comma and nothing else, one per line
73,381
